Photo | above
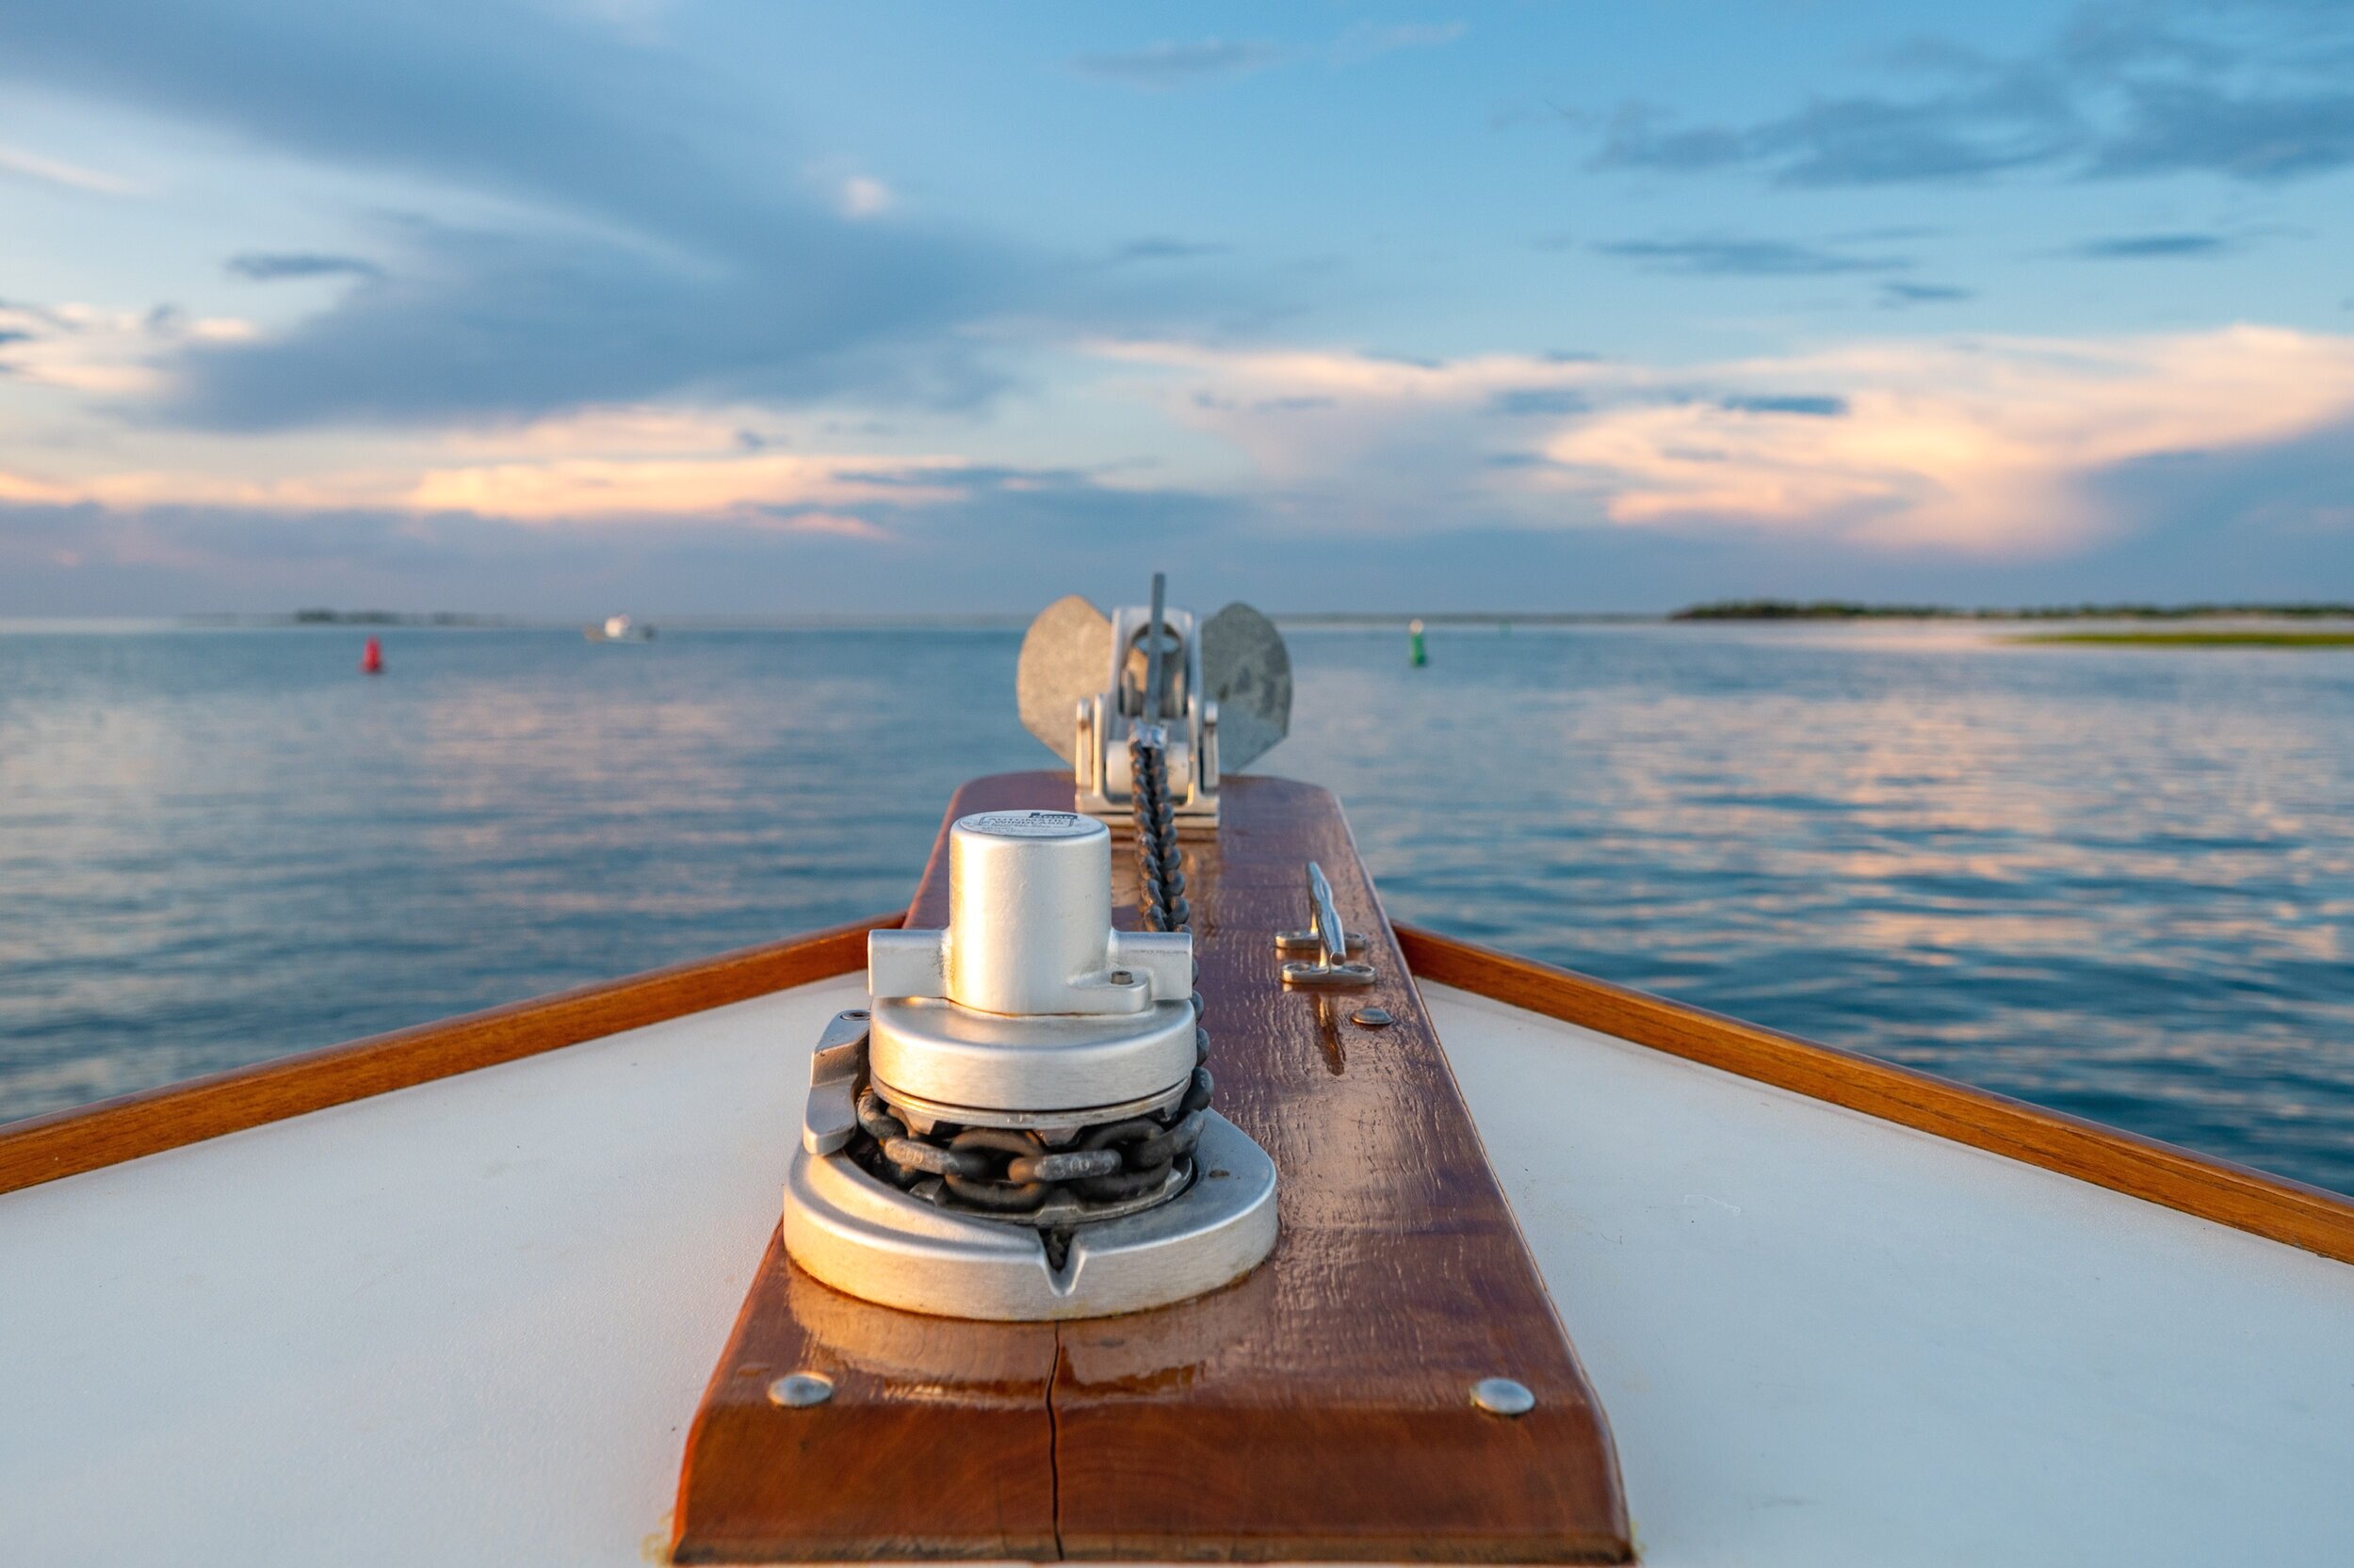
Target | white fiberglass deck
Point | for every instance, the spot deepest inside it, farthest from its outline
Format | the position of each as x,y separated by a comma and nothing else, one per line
468,1322
1825,1339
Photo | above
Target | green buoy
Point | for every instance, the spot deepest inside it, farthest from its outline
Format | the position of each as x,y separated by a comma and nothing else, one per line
1414,652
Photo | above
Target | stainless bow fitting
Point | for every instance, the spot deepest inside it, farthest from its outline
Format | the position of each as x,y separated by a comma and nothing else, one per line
1086,681
1188,724
1027,1023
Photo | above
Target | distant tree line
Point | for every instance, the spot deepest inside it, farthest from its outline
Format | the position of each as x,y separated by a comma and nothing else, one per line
1848,609
381,618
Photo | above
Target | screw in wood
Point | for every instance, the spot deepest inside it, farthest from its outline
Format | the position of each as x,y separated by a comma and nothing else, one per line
798,1390
1502,1397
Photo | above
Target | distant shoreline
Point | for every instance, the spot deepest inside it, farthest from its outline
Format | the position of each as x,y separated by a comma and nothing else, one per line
348,618
2244,638
1843,610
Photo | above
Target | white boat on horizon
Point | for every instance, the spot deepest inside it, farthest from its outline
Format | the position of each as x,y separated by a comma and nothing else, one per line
617,628
1554,1271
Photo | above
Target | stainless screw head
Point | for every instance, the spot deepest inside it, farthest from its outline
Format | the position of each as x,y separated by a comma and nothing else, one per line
1371,1018
1502,1397
797,1390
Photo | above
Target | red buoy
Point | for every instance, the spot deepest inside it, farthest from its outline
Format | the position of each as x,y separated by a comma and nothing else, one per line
372,659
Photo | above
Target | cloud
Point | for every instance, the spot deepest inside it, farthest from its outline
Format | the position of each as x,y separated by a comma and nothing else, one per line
2262,522
578,490
2255,93
477,324
272,267
1739,256
2258,136
54,172
543,491
1162,66
1809,406
2150,247
1900,294
1367,40
1999,448
838,525
1528,403
618,431
107,353
890,556
1993,447
1856,141
515,100
864,196
657,243
1155,248
1985,447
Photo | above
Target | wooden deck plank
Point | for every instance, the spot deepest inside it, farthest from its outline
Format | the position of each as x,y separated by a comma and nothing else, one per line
1319,1409
936,1443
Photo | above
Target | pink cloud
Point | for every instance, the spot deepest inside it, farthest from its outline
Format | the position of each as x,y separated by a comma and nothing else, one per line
1982,445
838,525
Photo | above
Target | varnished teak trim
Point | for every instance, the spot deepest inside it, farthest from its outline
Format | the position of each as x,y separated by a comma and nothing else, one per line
2233,1195
88,1137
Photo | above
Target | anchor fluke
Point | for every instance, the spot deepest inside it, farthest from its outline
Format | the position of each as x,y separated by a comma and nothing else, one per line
1084,681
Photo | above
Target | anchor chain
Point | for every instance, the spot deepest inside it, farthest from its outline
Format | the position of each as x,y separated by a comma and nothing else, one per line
1159,867
1014,1173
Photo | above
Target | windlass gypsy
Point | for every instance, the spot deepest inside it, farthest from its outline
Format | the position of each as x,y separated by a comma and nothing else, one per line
1018,1126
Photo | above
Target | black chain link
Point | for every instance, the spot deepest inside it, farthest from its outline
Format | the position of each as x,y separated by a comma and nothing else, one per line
1007,1170
1012,1173
1160,866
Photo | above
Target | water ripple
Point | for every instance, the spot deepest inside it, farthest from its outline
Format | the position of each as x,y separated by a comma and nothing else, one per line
2115,882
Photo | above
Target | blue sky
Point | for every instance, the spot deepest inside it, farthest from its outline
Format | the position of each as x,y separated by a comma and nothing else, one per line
551,306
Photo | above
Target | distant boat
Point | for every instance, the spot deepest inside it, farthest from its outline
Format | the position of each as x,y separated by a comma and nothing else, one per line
617,628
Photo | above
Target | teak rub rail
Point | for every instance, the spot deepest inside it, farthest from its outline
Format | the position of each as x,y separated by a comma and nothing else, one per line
69,1142
2269,1207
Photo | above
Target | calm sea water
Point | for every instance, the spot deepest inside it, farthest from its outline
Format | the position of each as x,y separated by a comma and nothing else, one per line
2115,882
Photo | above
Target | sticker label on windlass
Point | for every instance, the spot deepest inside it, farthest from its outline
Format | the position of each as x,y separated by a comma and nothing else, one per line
1030,824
